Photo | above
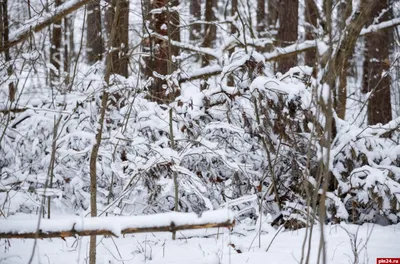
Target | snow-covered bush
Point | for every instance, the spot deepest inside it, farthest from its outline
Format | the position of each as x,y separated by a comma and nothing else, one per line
366,166
260,138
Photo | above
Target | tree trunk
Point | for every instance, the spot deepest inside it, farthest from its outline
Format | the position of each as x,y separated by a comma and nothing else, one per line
234,10
311,16
272,13
93,175
55,52
344,11
260,17
174,33
4,40
195,14
376,64
67,56
287,32
42,21
94,40
120,45
345,48
114,31
161,51
210,30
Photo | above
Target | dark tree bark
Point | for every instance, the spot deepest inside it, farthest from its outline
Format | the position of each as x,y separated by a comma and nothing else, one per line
161,51
375,64
260,17
339,59
55,52
345,9
344,12
119,56
174,32
210,30
287,32
311,17
94,40
272,13
234,10
195,13
37,25
4,41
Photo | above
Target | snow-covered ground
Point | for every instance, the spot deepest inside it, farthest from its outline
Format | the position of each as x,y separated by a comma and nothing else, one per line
206,247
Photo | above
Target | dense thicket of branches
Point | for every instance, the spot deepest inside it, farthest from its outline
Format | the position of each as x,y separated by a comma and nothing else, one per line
188,90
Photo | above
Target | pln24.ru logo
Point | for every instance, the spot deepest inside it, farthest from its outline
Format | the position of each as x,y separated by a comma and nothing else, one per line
388,261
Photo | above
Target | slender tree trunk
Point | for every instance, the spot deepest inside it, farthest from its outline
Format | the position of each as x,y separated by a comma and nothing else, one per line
1,24
234,10
344,11
94,39
71,46
93,175
260,17
311,17
173,32
346,45
287,33
66,49
175,174
210,30
55,49
50,172
119,55
114,31
377,63
5,33
195,14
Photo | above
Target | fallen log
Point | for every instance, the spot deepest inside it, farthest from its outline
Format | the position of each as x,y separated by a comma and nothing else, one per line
114,226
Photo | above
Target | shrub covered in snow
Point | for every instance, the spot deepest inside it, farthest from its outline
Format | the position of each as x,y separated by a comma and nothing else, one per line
262,138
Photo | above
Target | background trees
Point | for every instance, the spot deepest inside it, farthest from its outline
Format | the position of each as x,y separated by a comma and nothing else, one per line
287,31
377,66
94,40
187,90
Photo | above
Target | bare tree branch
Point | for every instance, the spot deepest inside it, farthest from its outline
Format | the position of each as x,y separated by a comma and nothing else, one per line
115,226
40,22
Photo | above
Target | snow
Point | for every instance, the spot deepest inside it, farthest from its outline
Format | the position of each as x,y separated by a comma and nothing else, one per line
382,25
297,47
42,18
115,224
202,71
216,246
218,157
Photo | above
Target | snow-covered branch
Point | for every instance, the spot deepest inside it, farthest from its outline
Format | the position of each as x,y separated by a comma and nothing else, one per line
41,21
115,226
387,24
186,46
279,52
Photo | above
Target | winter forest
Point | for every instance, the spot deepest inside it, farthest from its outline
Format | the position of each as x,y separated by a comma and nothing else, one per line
199,131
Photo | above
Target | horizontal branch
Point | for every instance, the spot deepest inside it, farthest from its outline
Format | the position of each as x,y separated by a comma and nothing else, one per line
186,46
202,73
287,51
115,226
41,21
278,53
12,110
383,25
